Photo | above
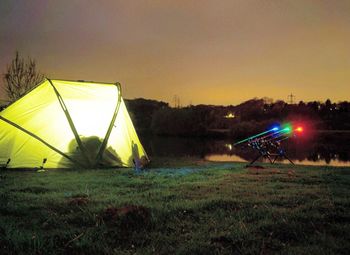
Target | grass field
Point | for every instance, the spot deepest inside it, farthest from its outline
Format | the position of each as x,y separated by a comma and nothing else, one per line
178,206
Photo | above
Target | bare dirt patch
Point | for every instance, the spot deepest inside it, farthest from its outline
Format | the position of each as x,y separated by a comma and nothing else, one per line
129,217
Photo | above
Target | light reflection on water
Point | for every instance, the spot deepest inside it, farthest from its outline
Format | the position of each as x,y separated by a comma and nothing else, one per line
235,158
333,150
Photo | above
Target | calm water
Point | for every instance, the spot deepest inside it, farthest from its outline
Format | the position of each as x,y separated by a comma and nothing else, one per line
325,149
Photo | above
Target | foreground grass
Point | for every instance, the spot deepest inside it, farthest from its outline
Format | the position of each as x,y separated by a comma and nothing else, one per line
181,206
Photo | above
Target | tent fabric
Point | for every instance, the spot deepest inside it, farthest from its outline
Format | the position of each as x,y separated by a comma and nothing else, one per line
65,124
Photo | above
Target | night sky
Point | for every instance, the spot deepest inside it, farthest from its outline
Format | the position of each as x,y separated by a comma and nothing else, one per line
210,52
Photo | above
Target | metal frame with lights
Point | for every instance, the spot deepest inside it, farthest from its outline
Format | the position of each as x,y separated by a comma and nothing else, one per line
269,143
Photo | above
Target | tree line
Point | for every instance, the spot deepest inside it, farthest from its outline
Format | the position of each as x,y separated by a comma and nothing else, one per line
249,117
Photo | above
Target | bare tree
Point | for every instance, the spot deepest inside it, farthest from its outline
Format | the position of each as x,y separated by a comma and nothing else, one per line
20,77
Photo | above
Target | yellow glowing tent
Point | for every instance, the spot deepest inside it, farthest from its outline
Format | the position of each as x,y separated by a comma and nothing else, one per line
64,124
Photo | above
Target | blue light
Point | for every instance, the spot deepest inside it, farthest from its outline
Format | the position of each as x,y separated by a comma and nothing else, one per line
275,129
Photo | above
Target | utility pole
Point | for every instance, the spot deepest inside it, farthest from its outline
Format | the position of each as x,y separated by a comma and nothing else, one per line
176,101
291,98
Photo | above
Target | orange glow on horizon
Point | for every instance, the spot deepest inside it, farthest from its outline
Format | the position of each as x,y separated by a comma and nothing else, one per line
207,53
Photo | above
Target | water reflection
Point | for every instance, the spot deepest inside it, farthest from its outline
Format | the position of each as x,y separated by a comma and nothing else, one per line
325,149
235,158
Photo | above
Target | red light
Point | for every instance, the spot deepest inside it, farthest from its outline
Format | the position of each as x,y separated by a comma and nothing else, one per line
299,129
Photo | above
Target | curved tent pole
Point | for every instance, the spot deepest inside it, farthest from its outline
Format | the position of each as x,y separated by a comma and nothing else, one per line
109,131
71,124
40,140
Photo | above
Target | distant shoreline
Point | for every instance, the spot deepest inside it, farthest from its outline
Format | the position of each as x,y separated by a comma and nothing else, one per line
333,131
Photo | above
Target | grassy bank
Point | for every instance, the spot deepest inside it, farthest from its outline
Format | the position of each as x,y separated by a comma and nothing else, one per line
183,206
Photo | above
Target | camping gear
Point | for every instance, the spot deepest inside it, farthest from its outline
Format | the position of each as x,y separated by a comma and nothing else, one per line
65,124
268,143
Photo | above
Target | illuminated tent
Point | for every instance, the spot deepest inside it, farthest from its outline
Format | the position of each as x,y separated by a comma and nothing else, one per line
64,124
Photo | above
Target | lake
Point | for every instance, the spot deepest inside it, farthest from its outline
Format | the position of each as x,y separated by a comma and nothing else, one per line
332,149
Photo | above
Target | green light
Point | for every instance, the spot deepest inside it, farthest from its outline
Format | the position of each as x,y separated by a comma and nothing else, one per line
275,132
287,128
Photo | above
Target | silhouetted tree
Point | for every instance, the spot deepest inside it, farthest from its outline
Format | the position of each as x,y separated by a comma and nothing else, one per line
142,110
21,75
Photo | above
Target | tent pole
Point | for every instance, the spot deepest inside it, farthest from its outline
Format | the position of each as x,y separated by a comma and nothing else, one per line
41,140
105,140
71,124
